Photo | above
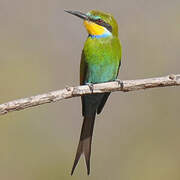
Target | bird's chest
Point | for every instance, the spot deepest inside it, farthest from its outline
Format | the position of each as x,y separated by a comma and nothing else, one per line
102,62
98,52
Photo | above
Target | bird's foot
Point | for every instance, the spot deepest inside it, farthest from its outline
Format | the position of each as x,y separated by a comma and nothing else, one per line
91,86
120,83
68,88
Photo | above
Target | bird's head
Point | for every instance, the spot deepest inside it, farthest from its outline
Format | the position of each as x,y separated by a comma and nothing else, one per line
97,23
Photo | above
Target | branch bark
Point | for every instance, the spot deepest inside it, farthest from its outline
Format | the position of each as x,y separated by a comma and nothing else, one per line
69,92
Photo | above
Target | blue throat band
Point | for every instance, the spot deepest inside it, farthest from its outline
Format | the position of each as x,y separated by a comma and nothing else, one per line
99,36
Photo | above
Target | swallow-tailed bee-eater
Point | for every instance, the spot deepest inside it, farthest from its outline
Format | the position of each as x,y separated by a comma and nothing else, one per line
100,62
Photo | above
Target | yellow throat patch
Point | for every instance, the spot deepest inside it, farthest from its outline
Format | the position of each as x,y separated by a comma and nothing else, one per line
93,28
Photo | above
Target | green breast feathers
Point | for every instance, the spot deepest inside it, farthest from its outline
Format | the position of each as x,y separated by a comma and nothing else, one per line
100,60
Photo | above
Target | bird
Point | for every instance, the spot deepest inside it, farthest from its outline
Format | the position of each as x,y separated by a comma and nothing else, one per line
100,62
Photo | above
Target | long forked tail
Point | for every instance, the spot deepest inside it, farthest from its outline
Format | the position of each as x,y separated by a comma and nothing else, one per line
85,142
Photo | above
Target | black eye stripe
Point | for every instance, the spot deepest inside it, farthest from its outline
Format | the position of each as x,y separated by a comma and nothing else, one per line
102,23
107,26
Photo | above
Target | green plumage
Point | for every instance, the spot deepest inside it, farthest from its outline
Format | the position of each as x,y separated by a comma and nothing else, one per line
100,62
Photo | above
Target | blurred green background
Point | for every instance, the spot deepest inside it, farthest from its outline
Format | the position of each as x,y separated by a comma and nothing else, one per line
137,135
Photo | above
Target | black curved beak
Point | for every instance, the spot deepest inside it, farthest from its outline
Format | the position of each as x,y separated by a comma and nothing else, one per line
78,14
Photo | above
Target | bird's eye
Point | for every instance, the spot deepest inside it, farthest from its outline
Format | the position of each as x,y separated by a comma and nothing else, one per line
100,21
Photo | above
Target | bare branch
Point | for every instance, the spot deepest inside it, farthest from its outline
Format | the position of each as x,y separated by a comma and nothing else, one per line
69,92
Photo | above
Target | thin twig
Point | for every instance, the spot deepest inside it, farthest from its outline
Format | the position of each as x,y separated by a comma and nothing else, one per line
69,92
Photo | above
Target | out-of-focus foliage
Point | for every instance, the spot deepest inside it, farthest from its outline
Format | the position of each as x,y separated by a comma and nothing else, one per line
137,135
